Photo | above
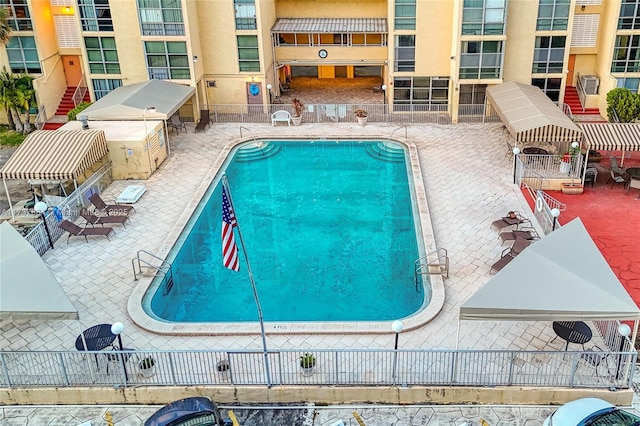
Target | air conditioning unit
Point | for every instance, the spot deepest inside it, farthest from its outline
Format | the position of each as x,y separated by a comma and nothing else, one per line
590,84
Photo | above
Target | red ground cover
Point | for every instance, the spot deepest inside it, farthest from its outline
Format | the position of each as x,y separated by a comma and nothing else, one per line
612,218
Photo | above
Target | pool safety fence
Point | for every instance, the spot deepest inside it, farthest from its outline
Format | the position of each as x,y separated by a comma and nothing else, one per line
558,369
344,113
69,208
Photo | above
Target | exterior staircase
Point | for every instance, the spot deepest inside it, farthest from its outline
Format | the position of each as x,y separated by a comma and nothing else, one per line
65,105
571,98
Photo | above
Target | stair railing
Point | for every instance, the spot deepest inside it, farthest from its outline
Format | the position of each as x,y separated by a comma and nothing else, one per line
582,94
81,90
566,108
41,118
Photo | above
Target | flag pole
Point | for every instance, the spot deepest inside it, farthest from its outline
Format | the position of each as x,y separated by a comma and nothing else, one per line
225,184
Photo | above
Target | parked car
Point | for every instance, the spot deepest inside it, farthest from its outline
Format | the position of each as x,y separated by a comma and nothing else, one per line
591,412
194,411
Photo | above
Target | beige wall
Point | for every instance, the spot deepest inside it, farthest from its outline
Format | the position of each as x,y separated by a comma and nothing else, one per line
126,142
331,8
520,41
319,395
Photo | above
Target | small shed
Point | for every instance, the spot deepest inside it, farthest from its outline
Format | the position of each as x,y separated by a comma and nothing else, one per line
136,148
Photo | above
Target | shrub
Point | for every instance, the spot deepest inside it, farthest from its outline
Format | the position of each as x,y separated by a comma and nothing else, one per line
71,115
10,137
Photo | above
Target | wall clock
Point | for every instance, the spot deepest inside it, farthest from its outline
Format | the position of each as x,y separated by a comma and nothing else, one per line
322,53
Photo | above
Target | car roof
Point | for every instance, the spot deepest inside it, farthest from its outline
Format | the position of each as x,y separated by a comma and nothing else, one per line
574,412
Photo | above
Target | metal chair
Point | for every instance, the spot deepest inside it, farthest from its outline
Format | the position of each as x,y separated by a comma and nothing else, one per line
591,175
596,357
176,124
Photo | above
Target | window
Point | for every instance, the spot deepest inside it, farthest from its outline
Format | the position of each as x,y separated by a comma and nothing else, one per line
23,55
161,17
102,55
248,54
626,54
245,14
553,15
632,84
405,53
405,15
19,18
629,15
167,60
472,94
480,59
483,17
421,91
548,55
550,86
95,15
104,85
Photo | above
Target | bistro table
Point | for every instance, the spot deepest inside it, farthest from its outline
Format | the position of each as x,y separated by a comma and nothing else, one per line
572,332
96,338
633,172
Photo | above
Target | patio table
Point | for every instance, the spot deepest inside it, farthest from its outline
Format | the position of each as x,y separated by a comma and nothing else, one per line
572,332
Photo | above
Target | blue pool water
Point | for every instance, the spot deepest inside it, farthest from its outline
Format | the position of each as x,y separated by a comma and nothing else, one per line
329,232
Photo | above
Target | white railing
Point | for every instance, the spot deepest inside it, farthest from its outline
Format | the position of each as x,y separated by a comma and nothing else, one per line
476,114
436,367
331,113
81,90
38,238
582,94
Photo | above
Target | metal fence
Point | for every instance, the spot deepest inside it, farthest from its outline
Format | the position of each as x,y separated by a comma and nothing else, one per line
332,368
344,113
38,238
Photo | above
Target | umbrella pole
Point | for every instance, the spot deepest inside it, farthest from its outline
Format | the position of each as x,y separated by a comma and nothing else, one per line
6,190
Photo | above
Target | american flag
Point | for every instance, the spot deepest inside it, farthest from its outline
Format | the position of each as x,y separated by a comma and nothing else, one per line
229,247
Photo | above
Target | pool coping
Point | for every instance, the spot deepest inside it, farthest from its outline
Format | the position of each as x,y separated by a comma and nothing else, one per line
419,319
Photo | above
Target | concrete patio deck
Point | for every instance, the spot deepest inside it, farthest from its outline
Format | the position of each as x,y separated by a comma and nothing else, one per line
468,183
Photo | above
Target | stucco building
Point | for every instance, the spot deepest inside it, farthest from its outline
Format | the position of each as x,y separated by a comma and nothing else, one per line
430,55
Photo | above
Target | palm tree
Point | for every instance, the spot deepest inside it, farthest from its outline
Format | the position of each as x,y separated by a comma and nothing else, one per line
7,94
25,99
5,28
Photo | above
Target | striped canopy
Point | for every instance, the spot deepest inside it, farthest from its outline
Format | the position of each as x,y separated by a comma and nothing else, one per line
529,115
55,155
612,136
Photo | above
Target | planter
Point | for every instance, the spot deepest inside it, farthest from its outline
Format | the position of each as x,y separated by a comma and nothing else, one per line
296,120
148,372
362,120
307,372
223,369
147,367
571,188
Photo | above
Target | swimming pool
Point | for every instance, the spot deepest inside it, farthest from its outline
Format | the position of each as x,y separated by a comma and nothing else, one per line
329,231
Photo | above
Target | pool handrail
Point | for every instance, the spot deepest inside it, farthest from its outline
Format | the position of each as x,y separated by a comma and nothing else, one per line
406,131
252,135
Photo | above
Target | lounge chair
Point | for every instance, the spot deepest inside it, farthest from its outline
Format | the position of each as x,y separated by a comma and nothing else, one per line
616,173
77,231
115,209
526,234
204,120
176,124
510,253
513,218
94,220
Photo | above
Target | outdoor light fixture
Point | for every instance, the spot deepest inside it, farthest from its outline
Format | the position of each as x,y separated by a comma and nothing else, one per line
41,207
116,329
624,330
269,87
516,151
555,213
384,94
195,58
397,326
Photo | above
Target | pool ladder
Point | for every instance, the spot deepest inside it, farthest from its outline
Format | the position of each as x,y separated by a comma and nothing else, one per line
164,269
439,266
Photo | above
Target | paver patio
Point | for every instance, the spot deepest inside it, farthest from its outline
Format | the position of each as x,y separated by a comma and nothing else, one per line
468,182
